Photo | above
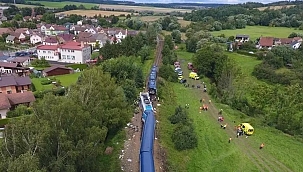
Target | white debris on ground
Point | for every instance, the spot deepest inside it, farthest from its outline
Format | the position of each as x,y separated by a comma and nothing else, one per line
158,104
129,160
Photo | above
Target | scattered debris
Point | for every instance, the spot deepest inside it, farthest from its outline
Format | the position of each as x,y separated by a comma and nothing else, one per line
109,150
129,160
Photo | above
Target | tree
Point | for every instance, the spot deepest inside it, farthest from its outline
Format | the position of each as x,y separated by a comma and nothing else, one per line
168,40
144,53
176,35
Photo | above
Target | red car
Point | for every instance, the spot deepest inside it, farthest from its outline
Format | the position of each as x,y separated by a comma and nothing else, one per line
190,66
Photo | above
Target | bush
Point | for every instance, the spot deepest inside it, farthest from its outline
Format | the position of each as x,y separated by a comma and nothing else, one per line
180,116
76,66
168,73
46,82
184,137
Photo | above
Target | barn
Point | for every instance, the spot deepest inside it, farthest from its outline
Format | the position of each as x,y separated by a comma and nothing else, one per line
57,70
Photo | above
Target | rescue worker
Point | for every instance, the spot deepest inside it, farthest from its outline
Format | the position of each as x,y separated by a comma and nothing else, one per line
220,112
224,126
209,101
261,146
203,100
201,109
229,140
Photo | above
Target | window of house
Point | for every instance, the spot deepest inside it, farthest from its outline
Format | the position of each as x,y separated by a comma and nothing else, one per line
73,57
9,92
73,51
63,56
44,51
49,52
68,50
68,57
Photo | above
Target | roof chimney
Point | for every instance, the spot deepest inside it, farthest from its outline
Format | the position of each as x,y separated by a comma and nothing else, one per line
82,44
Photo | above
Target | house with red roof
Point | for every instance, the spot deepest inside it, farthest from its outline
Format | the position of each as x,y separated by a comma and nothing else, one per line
67,52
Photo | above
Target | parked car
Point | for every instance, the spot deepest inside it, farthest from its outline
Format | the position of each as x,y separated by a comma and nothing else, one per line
190,66
177,64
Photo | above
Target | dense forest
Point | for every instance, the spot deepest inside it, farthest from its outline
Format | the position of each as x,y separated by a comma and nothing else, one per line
239,16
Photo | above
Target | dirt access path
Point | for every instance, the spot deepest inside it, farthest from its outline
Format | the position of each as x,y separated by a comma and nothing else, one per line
262,160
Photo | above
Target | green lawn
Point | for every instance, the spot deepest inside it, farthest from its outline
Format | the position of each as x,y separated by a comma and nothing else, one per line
213,152
256,31
66,80
63,3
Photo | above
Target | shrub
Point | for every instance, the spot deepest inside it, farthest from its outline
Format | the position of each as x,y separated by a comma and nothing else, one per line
46,82
76,66
180,116
184,137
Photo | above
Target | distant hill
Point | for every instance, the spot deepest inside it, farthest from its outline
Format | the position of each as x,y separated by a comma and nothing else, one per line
275,7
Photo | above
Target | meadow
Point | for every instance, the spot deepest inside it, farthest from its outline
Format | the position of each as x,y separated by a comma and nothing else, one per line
275,7
116,7
48,4
214,153
91,13
256,31
66,80
182,22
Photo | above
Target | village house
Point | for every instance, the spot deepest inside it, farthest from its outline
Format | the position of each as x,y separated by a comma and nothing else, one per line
68,52
6,30
24,31
23,61
242,38
13,68
92,39
56,30
269,42
11,101
14,84
15,37
57,70
36,38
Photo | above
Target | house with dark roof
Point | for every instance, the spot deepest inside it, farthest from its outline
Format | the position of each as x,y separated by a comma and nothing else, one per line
13,68
57,70
242,38
11,101
14,84
269,42
23,61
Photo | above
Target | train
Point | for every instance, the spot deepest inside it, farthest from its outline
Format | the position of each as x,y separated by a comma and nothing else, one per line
149,123
148,134
152,84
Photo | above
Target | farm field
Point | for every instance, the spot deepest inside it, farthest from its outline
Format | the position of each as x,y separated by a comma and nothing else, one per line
24,6
275,7
214,153
63,3
91,13
256,31
143,8
183,23
66,80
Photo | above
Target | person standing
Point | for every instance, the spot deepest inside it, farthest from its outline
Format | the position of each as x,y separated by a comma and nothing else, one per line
261,146
229,140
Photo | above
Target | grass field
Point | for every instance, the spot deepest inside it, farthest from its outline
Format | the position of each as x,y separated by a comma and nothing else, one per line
117,7
154,18
63,3
66,80
142,8
91,13
213,152
275,7
256,31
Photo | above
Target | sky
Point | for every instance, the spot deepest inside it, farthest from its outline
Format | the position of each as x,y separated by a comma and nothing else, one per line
204,1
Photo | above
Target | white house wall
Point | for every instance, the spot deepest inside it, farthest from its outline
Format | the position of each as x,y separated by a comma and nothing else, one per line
3,113
47,55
